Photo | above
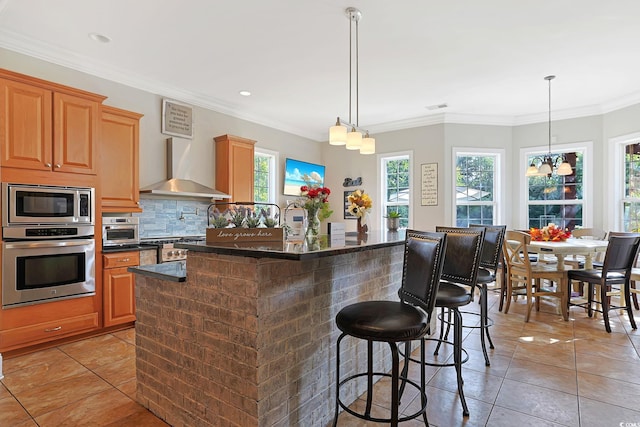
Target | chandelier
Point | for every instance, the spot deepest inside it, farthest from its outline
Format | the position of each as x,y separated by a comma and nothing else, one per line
547,164
346,132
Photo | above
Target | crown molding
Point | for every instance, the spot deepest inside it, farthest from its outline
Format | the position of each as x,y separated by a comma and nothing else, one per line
30,47
43,51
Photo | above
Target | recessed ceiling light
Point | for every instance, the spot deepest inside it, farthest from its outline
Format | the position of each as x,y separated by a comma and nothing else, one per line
245,93
99,37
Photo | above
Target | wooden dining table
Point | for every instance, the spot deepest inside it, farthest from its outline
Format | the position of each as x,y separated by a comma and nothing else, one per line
585,247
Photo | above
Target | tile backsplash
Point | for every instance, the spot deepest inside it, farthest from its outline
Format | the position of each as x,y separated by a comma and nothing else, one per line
172,217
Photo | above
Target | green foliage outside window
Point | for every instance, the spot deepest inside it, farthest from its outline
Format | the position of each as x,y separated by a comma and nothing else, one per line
261,178
631,203
475,201
397,189
547,194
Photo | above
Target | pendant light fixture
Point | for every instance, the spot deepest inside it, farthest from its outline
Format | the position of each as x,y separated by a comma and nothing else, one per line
348,133
547,164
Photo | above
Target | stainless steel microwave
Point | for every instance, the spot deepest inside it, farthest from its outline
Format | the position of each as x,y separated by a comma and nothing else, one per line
40,204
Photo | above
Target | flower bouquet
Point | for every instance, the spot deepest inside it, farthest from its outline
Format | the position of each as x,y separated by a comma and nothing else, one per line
314,199
549,233
359,206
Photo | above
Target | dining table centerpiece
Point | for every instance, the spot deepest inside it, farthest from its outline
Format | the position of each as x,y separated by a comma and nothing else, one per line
359,206
549,233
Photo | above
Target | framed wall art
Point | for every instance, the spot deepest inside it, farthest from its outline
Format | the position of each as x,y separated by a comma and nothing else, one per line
429,181
347,214
177,119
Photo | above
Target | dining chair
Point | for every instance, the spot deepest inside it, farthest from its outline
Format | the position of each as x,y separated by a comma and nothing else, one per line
577,261
490,263
396,322
459,276
633,289
527,278
616,271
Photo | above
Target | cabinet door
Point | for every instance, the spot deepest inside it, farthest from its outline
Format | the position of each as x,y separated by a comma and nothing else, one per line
119,160
119,297
75,126
25,123
234,167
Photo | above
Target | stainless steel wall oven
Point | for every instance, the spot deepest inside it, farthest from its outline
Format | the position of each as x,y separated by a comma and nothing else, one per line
44,270
48,245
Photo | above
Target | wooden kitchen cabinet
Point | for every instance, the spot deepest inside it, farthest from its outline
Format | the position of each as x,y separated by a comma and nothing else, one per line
234,167
119,160
30,325
46,126
119,287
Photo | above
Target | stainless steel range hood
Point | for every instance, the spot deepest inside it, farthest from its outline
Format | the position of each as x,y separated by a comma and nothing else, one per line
178,182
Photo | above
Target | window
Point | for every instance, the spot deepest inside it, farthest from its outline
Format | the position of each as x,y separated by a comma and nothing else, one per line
477,187
264,176
396,185
557,199
631,197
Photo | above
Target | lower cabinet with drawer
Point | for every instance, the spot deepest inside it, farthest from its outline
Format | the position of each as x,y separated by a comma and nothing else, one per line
119,287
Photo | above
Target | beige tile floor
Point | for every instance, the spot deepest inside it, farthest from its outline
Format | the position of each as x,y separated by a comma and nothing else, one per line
544,373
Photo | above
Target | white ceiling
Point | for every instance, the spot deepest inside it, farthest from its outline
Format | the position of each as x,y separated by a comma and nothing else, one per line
485,59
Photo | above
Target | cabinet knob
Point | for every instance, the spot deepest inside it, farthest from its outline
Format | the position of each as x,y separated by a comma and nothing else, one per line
58,165
57,328
123,260
48,165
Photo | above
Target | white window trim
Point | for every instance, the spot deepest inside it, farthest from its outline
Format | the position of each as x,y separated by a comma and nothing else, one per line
616,179
499,181
275,176
587,176
381,196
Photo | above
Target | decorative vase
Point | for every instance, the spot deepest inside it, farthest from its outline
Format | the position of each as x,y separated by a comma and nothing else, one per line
313,223
362,227
393,224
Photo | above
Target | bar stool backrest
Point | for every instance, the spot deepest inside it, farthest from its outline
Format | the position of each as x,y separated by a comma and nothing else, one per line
424,254
492,247
621,253
462,257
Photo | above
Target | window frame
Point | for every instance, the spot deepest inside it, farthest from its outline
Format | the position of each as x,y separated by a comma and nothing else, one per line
382,186
617,197
498,181
586,147
273,176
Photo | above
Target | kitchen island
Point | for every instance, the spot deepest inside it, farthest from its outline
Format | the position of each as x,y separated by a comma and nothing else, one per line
248,338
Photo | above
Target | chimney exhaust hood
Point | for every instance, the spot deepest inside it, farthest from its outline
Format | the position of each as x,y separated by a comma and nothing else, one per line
178,182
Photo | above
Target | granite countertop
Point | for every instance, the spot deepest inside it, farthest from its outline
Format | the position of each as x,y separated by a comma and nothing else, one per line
325,246
173,271
127,248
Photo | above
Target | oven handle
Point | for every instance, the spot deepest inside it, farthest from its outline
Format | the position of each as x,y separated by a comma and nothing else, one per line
47,244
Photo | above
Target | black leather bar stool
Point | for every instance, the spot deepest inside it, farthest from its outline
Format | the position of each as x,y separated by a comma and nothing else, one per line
457,285
487,273
396,321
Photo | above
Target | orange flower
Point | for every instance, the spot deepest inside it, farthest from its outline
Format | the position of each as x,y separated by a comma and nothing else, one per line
549,233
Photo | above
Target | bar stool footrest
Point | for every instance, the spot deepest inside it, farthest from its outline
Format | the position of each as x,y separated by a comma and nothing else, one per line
443,364
383,420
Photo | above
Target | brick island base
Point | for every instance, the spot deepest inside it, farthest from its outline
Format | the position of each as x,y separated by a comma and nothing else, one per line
250,341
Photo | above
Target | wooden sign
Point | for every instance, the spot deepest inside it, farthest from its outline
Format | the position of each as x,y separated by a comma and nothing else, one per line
234,235
429,184
177,119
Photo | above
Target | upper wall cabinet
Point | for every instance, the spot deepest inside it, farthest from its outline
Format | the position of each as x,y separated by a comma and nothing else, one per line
119,163
234,167
47,127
